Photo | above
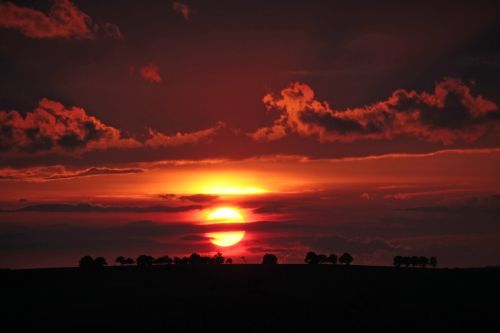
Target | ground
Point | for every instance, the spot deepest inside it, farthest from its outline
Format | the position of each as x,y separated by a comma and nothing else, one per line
252,298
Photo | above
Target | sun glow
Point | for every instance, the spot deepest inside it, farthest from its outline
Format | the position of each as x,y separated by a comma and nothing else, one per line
226,183
225,215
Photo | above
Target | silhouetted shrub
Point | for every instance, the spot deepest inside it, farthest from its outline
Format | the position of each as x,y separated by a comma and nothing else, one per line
269,259
87,262
311,258
346,259
100,262
332,259
423,261
414,261
397,261
229,261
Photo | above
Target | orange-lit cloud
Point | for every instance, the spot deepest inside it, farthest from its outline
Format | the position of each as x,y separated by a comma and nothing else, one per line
64,20
451,113
40,174
182,9
158,140
53,128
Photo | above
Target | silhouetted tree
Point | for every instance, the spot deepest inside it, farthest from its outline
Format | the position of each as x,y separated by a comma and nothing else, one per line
423,261
229,261
164,260
433,262
322,258
195,259
181,261
129,261
86,262
332,259
397,261
120,260
311,258
100,262
406,261
144,260
414,261
218,259
269,259
346,259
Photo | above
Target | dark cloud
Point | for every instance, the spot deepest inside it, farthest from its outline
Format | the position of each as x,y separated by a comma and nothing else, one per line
63,20
270,208
451,113
112,31
199,197
95,171
86,208
41,174
476,205
195,238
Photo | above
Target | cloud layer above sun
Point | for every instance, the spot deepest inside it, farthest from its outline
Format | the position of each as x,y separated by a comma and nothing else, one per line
52,127
447,115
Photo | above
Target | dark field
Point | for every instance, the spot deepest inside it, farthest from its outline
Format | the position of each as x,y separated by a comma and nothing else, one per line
252,298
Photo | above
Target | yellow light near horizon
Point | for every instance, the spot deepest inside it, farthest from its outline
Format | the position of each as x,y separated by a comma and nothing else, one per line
225,215
233,190
226,183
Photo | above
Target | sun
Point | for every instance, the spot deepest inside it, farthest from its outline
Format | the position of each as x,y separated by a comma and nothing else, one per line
225,215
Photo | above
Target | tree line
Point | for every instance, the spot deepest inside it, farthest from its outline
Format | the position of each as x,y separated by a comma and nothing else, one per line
311,258
414,261
314,259
145,260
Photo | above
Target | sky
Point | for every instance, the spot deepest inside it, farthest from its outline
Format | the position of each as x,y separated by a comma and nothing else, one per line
364,127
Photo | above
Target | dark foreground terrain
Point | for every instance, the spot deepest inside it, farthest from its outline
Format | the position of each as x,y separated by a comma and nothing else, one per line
252,298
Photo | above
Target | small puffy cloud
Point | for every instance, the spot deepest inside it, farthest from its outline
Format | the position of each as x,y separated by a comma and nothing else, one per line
149,72
366,196
158,140
449,114
52,127
63,20
112,31
182,9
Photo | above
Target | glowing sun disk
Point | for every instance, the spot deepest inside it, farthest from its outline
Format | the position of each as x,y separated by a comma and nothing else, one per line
225,215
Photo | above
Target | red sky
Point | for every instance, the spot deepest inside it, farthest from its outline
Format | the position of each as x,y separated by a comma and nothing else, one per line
367,128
